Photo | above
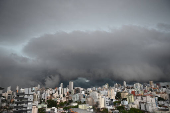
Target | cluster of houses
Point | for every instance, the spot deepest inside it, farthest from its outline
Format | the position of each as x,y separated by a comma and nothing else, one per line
146,97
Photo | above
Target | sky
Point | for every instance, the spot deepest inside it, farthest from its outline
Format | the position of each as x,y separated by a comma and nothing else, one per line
88,42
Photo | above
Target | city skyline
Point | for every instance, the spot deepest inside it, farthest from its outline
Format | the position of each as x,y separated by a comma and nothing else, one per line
87,42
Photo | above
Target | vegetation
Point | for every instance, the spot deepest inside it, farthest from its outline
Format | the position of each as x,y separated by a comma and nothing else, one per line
41,110
134,110
120,108
105,110
51,103
61,104
118,95
124,99
116,103
68,107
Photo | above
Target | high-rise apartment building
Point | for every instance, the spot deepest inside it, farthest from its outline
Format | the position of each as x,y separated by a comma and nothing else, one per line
23,101
17,89
70,86
61,85
1,89
124,84
151,83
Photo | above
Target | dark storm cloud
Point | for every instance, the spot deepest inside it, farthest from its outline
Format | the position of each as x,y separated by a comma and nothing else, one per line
23,19
83,39
163,26
17,70
131,53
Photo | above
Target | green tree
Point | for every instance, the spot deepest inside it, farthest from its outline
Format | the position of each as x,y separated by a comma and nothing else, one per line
124,111
79,102
61,104
66,108
124,99
74,106
116,102
134,110
120,108
41,110
51,103
118,95
105,110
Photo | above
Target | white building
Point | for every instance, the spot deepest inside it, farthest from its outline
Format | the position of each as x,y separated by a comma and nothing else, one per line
70,86
101,102
111,94
124,84
23,101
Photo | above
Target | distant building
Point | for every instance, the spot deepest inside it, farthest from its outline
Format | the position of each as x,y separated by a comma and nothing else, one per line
124,94
90,101
111,94
34,109
151,83
17,89
38,86
70,86
130,98
1,89
124,84
101,102
61,85
9,88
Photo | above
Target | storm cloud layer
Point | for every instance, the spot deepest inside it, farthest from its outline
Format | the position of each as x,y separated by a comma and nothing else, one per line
47,43
130,53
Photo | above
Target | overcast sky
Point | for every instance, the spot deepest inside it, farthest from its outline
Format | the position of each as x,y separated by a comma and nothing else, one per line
48,42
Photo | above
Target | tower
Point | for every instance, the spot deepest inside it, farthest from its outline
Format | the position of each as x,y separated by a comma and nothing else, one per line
151,83
70,86
124,84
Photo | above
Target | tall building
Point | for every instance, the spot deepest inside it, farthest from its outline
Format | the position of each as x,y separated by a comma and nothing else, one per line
111,94
9,88
1,89
38,86
151,83
116,85
34,109
61,85
17,89
23,101
70,86
101,101
124,84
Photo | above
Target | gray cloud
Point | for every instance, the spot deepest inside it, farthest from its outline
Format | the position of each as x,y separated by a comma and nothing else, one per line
128,53
164,26
18,70
92,39
22,20
52,81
